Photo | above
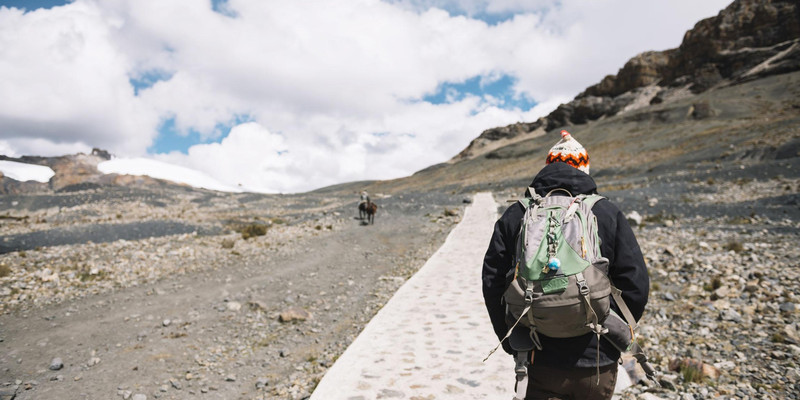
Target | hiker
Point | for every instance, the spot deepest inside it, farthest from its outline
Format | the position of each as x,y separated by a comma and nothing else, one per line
362,205
566,367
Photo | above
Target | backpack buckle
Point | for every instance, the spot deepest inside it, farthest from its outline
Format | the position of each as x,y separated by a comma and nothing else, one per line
583,288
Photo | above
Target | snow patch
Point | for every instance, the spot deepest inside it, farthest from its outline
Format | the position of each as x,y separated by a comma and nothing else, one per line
161,170
24,172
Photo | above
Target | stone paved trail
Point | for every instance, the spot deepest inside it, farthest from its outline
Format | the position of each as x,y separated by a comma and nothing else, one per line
429,340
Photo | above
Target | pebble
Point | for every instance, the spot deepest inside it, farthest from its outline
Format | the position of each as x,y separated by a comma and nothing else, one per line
139,396
56,364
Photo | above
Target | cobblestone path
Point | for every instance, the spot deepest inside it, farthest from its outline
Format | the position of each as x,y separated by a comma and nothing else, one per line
429,340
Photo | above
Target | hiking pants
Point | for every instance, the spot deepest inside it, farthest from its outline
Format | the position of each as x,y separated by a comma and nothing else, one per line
548,383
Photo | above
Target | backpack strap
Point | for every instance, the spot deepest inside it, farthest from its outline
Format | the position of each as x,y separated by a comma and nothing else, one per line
626,312
521,368
591,199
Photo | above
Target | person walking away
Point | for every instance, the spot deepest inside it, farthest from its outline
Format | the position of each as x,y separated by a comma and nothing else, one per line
581,367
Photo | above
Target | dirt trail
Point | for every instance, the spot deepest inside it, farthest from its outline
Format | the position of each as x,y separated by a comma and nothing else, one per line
214,333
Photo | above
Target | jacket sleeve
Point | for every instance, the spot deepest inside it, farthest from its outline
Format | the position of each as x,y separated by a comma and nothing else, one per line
496,265
627,269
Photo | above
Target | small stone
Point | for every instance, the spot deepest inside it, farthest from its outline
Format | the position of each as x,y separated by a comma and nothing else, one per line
56,364
722,292
175,383
234,306
262,382
163,388
634,218
230,378
294,314
390,394
93,361
139,396
166,322
730,315
126,394
787,307
257,305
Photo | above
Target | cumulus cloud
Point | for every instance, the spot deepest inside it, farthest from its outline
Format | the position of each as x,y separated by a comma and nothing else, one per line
333,91
65,82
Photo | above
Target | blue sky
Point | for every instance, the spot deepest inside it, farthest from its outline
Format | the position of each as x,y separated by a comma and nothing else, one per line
31,5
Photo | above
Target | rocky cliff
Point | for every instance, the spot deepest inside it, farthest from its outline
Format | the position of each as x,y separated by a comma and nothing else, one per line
747,40
72,173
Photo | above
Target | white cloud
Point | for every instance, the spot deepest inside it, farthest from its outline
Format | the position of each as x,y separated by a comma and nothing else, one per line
335,87
64,81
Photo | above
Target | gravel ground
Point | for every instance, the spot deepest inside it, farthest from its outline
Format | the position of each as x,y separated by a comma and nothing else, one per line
209,314
197,314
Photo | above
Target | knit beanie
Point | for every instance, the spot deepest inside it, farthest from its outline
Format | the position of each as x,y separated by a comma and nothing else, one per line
569,151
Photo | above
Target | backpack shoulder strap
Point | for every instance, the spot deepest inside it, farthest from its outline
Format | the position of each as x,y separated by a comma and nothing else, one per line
530,197
591,199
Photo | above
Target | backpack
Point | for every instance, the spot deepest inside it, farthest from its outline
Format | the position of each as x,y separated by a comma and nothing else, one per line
560,285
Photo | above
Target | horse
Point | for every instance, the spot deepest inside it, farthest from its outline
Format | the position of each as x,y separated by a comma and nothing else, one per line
369,208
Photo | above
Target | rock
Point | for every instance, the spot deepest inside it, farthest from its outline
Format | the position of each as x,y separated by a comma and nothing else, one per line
8,393
126,394
261,383
230,378
175,383
234,306
93,361
166,322
730,315
702,369
257,305
668,382
787,308
634,218
56,364
722,292
652,202
294,314
139,396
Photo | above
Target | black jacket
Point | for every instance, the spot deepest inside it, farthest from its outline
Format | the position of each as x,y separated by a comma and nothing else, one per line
627,269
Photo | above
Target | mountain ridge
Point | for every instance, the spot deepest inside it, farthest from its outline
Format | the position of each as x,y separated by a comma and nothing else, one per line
747,40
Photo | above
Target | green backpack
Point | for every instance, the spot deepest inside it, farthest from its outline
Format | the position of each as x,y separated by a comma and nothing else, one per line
560,286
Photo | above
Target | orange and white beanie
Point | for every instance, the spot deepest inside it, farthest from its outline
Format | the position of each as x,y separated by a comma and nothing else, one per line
569,151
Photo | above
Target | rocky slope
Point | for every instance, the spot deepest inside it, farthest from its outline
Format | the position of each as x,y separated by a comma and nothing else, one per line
749,39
